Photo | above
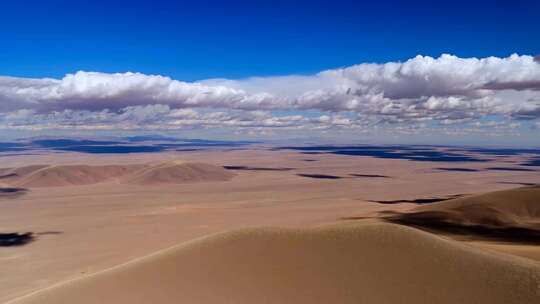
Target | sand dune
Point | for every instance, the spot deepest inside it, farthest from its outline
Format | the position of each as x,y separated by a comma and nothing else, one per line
143,174
178,172
520,206
7,174
509,214
351,263
71,175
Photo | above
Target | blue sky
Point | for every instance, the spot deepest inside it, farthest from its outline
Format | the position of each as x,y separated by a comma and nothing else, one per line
192,40
64,69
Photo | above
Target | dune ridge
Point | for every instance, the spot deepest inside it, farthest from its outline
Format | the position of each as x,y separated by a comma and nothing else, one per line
13,173
520,204
509,214
176,172
348,263
173,172
71,175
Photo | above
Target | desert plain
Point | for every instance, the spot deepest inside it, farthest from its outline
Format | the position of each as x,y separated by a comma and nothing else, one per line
260,224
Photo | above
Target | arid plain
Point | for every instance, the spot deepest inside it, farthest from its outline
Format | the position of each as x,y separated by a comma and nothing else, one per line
91,212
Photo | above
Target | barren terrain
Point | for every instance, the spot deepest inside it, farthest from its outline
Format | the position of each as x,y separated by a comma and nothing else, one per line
73,224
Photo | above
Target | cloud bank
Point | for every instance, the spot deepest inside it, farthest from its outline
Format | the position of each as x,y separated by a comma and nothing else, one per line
444,91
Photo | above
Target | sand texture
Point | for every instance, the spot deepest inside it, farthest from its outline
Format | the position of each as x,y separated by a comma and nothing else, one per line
69,217
171,172
376,263
511,215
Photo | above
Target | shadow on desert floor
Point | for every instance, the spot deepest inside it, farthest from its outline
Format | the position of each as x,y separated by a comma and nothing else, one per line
16,239
12,239
319,176
436,221
12,192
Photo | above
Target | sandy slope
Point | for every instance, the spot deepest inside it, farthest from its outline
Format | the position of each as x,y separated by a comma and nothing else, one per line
177,172
352,263
85,229
520,206
174,172
9,174
509,214
71,175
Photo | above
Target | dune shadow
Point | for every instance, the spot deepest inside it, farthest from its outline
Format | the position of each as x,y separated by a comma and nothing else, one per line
12,192
519,183
458,169
369,175
16,239
419,201
320,176
510,169
440,221
10,175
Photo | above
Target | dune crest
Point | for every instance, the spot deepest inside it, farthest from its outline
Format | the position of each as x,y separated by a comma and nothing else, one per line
508,215
7,174
72,175
178,172
350,263
519,203
173,172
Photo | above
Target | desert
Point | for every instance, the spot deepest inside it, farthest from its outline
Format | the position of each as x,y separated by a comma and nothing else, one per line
128,227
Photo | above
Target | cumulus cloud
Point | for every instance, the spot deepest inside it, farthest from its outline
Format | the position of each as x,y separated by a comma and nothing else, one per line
161,117
446,89
97,91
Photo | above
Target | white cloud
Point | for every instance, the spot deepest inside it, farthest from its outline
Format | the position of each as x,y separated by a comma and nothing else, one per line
162,117
447,89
